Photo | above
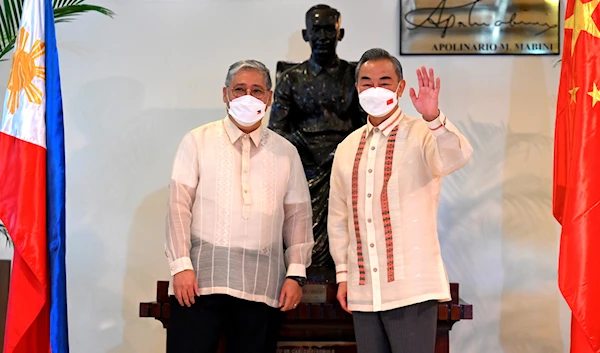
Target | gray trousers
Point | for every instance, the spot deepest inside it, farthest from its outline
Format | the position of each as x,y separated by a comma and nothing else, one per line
410,329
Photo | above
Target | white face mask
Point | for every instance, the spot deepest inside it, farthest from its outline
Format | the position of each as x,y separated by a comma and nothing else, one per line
247,110
377,101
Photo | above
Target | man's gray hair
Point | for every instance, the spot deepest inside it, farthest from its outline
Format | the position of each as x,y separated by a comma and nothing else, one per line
248,65
379,54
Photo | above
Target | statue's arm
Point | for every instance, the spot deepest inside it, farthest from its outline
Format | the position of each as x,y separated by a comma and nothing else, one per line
359,117
280,110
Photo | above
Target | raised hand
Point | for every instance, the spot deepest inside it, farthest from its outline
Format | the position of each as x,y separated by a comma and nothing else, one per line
426,102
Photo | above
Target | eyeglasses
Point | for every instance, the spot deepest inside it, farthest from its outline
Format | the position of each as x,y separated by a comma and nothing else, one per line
256,92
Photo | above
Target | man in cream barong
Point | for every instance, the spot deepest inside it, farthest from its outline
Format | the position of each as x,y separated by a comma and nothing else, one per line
239,235
385,187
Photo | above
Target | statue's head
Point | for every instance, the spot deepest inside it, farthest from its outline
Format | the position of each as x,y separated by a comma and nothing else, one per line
323,30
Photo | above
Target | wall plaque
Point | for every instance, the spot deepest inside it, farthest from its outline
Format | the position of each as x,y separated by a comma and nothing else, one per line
482,27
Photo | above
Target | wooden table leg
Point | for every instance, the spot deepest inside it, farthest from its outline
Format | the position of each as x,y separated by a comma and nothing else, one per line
442,340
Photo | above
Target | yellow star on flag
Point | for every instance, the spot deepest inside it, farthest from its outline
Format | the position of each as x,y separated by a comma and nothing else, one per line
595,94
573,93
581,20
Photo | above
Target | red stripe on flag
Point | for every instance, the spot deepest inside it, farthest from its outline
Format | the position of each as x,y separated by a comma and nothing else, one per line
23,211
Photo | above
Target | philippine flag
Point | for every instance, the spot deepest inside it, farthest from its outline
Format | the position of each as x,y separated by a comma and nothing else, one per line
32,188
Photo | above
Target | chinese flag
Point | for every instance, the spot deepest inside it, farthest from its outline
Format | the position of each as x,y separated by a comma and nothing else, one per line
576,189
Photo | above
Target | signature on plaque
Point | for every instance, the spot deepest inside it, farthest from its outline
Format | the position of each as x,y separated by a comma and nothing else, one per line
480,26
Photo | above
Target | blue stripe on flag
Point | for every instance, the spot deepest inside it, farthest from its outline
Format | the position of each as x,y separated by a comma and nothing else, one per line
55,188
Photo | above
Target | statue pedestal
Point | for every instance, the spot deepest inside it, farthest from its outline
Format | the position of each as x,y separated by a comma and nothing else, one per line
323,326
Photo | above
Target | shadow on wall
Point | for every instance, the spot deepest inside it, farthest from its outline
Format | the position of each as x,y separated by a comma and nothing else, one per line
497,232
96,202
146,262
470,235
119,167
530,317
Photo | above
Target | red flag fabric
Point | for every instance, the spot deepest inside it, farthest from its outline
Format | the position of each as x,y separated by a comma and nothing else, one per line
576,189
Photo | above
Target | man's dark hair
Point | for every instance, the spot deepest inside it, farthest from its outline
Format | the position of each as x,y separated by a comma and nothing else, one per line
322,7
379,54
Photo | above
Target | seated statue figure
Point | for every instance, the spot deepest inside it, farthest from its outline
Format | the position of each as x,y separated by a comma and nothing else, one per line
315,107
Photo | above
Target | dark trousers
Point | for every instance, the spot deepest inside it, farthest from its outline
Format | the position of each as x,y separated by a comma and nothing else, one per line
410,329
249,327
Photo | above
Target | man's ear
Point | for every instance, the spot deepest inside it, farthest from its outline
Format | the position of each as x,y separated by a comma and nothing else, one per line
225,100
270,99
304,35
341,35
401,88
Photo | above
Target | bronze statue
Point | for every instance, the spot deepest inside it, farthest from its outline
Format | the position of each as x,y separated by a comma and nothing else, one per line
315,107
